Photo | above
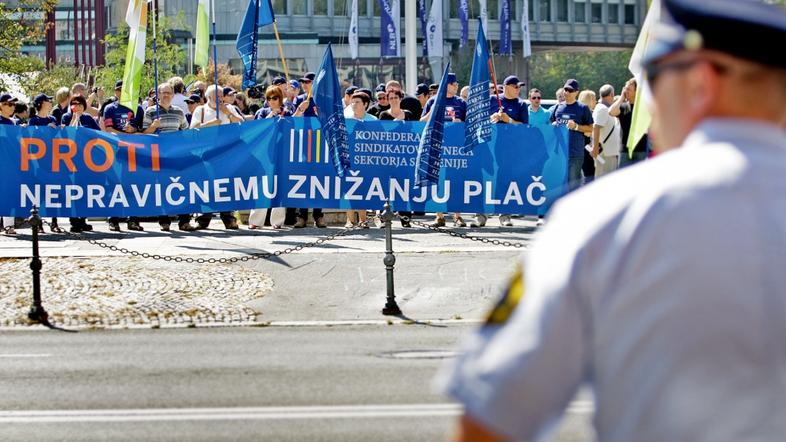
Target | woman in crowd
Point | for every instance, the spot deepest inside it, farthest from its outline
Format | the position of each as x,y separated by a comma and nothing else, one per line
274,109
396,112
588,167
43,107
359,104
77,115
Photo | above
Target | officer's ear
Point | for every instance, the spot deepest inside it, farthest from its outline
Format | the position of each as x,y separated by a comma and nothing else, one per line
703,87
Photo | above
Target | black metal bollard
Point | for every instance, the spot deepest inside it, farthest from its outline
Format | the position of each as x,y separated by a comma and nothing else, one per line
37,312
387,216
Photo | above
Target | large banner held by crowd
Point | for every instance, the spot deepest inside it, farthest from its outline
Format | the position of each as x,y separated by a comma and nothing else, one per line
274,163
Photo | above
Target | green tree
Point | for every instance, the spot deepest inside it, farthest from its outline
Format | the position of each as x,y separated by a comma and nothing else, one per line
21,24
170,55
549,70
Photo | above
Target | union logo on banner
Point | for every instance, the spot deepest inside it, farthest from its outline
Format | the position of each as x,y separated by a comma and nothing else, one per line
307,146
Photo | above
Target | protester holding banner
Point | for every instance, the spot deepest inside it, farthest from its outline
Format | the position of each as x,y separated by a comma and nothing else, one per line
61,98
509,108
395,112
7,106
167,118
77,115
42,104
274,106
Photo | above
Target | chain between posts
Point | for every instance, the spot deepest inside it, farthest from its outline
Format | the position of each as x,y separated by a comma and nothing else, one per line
455,234
186,259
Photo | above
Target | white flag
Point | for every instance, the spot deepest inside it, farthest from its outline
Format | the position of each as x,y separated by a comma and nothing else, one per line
353,30
527,52
435,43
484,15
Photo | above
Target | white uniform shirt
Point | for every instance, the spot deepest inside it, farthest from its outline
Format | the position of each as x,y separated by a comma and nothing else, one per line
664,286
607,123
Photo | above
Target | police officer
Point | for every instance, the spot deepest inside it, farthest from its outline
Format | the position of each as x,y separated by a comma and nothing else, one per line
670,298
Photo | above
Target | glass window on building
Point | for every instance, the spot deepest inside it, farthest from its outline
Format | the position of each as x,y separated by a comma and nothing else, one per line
299,7
531,6
581,12
614,13
362,8
545,10
340,8
562,10
630,14
280,7
597,12
320,7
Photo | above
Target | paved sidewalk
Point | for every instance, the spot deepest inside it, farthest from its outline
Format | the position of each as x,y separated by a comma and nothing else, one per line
437,276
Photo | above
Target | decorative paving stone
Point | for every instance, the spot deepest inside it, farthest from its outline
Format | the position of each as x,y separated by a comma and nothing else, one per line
125,290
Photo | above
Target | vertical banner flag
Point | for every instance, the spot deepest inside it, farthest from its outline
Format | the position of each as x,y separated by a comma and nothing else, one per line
484,13
478,123
427,162
353,30
641,119
434,34
464,18
201,55
505,40
258,13
390,36
327,96
423,25
525,39
136,18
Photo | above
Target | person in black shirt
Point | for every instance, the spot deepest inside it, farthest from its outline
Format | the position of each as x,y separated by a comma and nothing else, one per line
42,104
381,105
623,108
61,98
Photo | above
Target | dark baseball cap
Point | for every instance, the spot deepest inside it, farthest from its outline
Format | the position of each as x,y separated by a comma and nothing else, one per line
433,87
571,85
743,29
452,78
380,87
228,91
119,84
310,76
194,98
279,80
40,98
422,89
512,80
350,90
7,98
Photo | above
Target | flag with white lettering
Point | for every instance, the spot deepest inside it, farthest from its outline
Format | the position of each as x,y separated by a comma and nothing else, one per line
434,35
478,122
505,39
327,96
464,19
427,163
423,25
258,13
353,30
525,38
390,37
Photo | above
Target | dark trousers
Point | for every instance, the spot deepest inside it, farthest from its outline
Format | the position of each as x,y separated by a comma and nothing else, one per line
181,219
131,219
77,222
588,168
303,213
225,217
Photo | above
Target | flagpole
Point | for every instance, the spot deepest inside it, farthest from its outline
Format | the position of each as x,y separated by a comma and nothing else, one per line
215,53
493,74
281,51
253,71
154,10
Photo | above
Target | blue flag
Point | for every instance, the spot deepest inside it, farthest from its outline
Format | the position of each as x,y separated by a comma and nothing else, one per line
464,18
423,25
327,96
389,38
478,123
427,163
505,37
258,13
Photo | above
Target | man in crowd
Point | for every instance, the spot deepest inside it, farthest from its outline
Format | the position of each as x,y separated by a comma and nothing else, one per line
305,105
192,102
623,107
7,107
455,111
535,112
381,104
650,299
422,95
21,113
119,119
165,118
179,88
577,117
606,134
62,98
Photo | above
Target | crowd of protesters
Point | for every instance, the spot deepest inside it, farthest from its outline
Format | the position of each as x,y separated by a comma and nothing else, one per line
598,128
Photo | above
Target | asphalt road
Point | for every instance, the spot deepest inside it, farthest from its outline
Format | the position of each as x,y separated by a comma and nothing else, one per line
308,383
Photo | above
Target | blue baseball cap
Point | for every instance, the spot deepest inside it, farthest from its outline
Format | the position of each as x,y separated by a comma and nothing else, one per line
571,85
452,78
294,84
279,80
422,89
310,76
40,98
350,90
7,98
743,29
194,98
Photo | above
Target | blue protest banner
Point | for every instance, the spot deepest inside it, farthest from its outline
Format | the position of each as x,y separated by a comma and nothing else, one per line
389,39
505,36
478,121
274,163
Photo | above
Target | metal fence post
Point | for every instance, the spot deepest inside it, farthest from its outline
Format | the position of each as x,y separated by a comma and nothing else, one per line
37,312
387,216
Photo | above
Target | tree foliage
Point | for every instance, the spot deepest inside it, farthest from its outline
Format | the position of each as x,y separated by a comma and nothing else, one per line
171,56
19,25
549,70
